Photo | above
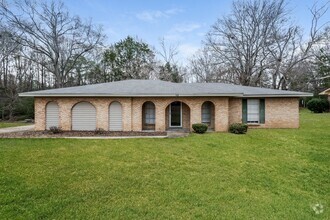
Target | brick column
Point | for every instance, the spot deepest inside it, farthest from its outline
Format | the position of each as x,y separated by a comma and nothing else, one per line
221,114
102,114
136,112
39,114
160,116
65,106
128,114
195,112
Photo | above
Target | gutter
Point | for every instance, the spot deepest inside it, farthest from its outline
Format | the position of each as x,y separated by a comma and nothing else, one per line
241,95
278,95
127,95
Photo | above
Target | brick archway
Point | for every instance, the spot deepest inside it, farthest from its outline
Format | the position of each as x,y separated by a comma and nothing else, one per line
177,116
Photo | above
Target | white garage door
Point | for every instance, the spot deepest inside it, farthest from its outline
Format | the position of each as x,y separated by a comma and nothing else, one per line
52,115
83,117
115,117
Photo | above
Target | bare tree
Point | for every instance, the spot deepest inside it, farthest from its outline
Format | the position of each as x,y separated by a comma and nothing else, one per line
204,67
47,28
168,52
11,92
168,68
289,49
258,39
8,48
239,40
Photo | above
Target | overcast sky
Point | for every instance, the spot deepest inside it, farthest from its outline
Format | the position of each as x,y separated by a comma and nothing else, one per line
183,23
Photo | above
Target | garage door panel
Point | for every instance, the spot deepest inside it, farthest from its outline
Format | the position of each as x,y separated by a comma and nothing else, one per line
83,117
115,117
52,115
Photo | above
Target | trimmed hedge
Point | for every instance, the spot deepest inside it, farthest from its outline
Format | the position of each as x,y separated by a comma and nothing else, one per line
318,105
200,128
238,128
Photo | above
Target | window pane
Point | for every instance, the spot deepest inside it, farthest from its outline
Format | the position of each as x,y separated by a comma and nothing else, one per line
206,113
149,113
253,110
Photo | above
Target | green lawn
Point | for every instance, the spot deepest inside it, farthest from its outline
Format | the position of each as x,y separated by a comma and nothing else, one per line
266,174
11,124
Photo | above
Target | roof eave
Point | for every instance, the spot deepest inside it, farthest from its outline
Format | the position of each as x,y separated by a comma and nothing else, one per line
325,92
164,95
127,95
277,95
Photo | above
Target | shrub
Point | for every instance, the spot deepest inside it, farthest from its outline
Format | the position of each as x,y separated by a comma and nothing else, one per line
55,130
318,105
200,128
238,128
99,131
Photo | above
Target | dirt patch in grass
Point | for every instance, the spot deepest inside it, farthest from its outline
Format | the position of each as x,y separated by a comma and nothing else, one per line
48,134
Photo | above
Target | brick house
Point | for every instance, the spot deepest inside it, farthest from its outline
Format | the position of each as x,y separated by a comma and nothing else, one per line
138,105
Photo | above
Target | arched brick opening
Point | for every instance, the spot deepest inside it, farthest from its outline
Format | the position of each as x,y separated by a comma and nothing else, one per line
208,114
177,116
52,115
83,116
148,116
115,116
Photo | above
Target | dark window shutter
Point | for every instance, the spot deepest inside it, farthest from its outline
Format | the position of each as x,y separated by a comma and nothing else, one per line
244,110
262,111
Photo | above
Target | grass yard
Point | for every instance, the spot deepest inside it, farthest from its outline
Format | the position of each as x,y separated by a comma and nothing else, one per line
11,124
266,174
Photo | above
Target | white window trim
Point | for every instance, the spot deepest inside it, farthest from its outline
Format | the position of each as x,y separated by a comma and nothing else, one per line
247,117
170,116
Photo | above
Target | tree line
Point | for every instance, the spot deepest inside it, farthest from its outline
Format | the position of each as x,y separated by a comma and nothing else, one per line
43,46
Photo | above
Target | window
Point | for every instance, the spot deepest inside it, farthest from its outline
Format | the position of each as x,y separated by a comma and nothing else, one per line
206,113
253,110
149,113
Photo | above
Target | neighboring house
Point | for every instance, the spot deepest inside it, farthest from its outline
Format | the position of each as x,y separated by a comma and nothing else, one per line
326,93
137,105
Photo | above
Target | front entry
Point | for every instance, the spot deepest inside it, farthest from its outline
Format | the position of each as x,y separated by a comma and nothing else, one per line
176,114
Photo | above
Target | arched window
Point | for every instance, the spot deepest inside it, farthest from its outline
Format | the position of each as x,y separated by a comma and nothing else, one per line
148,116
208,114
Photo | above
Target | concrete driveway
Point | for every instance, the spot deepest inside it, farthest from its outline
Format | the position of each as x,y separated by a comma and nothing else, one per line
15,129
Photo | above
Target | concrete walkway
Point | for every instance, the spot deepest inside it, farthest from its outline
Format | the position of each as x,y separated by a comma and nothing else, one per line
177,134
113,137
16,129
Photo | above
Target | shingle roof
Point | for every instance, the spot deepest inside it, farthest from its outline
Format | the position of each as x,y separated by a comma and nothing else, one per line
134,88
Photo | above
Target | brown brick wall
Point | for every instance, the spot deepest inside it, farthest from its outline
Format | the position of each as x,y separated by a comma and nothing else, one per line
194,104
280,112
66,105
235,110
